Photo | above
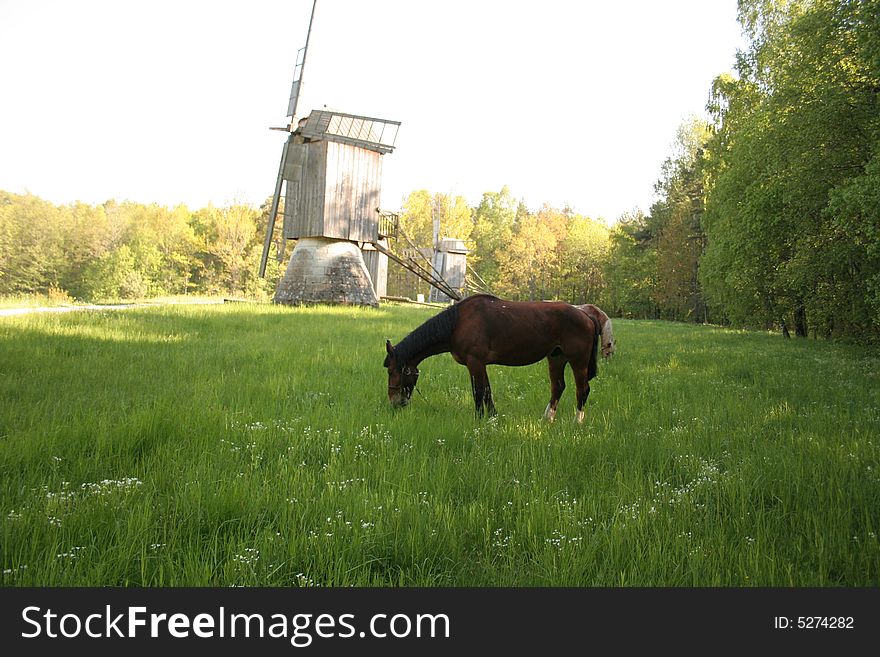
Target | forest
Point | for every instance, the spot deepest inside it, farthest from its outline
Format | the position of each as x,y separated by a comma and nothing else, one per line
767,210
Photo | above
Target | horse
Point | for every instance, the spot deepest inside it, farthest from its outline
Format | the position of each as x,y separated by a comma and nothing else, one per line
605,329
484,330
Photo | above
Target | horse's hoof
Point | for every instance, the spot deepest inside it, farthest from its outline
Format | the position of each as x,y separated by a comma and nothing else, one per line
549,413
580,417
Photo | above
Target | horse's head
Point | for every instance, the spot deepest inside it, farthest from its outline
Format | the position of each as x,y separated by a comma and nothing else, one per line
402,378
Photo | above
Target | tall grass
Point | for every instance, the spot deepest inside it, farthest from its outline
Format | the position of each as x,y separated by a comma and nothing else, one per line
254,445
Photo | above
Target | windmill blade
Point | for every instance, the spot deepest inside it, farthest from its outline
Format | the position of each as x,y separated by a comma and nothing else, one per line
291,112
298,69
273,213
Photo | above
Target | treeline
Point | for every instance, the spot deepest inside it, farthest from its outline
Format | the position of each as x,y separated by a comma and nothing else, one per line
128,250
548,254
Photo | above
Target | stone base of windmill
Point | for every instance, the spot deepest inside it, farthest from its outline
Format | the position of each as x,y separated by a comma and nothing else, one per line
324,270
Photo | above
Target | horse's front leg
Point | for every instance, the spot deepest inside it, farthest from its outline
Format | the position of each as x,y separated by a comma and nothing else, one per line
557,385
481,389
583,389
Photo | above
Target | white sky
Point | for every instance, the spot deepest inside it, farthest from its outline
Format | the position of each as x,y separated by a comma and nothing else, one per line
170,101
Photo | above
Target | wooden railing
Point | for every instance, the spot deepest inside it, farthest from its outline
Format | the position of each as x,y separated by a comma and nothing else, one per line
389,223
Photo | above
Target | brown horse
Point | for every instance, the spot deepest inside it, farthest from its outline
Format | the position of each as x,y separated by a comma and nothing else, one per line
605,329
484,330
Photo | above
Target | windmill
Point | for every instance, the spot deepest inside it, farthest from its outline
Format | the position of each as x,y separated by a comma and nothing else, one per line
331,165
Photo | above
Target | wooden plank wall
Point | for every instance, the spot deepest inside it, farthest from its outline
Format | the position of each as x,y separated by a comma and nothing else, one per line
337,192
293,176
354,177
314,204
454,270
304,203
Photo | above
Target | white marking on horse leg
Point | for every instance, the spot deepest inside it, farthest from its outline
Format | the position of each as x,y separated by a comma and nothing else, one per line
549,413
580,416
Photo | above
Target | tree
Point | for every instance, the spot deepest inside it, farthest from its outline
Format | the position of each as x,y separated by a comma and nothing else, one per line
494,220
583,261
527,264
114,276
229,236
81,237
456,218
30,245
631,268
176,243
675,220
416,218
800,123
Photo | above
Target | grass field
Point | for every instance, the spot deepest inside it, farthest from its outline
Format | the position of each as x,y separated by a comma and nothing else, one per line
253,445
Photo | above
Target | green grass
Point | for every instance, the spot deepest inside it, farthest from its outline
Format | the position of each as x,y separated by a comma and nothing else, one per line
253,445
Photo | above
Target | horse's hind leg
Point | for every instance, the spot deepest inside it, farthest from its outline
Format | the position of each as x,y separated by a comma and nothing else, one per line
557,385
582,382
482,390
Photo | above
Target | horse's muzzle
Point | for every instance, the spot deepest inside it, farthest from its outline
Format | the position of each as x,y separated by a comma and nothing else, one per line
398,400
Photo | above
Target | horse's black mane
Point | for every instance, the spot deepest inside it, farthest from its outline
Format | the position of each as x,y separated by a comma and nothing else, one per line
437,329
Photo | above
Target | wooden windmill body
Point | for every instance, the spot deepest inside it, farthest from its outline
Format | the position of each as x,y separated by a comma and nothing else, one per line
333,171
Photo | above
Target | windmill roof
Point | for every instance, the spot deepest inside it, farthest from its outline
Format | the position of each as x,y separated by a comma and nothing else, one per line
364,131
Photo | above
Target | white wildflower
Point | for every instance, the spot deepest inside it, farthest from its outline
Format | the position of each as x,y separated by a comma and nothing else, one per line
248,557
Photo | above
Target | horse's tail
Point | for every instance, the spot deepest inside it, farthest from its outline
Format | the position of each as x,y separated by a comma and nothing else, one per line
593,365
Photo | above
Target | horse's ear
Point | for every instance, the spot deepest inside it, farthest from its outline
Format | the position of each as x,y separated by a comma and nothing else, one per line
388,347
